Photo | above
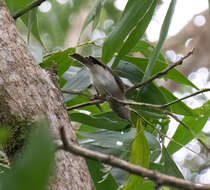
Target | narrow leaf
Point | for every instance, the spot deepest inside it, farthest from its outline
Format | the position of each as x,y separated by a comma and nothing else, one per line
107,120
102,180
31,18
146,49
179,107
163,35
170,167
173,74
61,58
134,11
150,94
140,156
196,124
93,15
137,33
154,145
33,169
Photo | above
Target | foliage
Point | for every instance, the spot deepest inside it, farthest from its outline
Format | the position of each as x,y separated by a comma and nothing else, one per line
33,168
124,39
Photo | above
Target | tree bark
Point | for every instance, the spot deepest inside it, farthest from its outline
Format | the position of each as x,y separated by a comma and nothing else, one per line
26,91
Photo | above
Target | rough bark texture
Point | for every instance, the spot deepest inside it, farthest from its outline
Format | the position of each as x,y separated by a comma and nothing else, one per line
26,91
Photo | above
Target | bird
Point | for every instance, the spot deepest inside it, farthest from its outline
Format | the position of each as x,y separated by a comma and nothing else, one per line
107,84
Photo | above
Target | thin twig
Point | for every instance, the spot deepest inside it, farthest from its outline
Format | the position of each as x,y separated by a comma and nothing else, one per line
93,102
157,177
164,72
188,128
93,42
162,134
185,97
76,92
131,102
79,45
27,8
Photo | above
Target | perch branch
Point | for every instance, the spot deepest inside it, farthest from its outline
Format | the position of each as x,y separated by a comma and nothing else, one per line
76,92
131,102
93,102
158,178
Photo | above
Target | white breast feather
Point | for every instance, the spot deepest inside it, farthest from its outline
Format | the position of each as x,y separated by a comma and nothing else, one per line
104,81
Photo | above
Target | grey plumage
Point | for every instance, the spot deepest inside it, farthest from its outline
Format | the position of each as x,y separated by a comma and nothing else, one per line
107,83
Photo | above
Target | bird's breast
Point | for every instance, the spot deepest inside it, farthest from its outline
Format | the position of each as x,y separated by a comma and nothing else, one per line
105,83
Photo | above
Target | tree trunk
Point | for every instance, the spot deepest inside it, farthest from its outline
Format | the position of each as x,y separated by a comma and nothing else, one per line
26,92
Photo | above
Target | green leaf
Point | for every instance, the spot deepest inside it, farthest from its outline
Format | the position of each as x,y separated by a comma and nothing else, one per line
156,167
204,110
107,139
94,109
31,19
33,169
173,74
154,145
134,11
79,81
61,58
140,156
196,124
179,107
146,49
55,24
102,180
170,168
17,4
163,35
107,120
76,99
149,94
137,33
93,15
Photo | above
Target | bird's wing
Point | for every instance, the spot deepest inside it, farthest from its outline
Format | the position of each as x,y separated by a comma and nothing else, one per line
116,77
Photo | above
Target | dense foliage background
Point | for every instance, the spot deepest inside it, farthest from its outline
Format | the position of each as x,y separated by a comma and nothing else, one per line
102,30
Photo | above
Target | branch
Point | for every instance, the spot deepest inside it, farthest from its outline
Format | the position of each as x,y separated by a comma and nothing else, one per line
131,102
127,102
164,72
93,102
27,8
185,97
158,178
92,42
77,92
